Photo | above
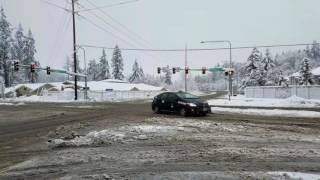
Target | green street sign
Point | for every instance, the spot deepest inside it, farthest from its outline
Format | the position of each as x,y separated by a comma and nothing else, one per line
58,71
216,69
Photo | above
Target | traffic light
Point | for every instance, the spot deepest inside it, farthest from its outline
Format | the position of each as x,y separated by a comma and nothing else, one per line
16,65
159,70
173,70
204,70
48,70
187,70
32,68
229,71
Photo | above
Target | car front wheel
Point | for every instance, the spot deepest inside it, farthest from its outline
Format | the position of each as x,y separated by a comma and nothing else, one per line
156,109
183,112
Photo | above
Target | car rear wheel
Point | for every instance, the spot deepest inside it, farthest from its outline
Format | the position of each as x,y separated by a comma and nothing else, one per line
156,109
183,112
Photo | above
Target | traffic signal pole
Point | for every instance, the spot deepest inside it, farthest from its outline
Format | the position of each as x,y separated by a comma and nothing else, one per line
74,53
230,88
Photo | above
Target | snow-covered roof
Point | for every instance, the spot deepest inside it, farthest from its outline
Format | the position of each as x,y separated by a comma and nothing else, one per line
315,71
114,81
116,85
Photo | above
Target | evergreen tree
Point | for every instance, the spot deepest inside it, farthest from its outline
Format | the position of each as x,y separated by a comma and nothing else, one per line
17,53
267,61
306,76
168,78
29,53
315,51
255,74
282,80
67,66
104,67
5,48
141,72
136,73
117,64
93,70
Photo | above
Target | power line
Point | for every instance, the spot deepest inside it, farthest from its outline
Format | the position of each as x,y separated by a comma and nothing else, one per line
110,5
55,5
120,24
126,31
103,29
201,49
115,28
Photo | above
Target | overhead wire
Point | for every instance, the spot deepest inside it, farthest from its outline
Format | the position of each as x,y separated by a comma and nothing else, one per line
115,28
203,49
55,5
57,34
110,5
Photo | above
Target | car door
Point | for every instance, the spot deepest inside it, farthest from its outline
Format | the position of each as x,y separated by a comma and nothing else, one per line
172,102
163,102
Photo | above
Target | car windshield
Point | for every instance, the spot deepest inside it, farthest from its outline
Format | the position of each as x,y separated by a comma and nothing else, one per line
184,95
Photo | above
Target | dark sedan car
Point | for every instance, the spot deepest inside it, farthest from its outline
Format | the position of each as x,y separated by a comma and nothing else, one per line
181,102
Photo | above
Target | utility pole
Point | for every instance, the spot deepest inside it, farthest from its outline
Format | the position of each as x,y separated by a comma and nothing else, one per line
185,65
74,53
230,86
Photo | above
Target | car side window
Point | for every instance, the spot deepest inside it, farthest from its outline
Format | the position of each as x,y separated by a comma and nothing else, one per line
164,96
172,98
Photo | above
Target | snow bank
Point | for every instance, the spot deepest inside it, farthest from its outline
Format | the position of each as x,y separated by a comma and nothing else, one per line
268,112
296,175
293,101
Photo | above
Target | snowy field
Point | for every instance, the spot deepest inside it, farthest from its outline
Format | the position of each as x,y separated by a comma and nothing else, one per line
293,102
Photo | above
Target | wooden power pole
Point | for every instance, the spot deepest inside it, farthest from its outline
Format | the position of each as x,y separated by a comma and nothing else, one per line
74,53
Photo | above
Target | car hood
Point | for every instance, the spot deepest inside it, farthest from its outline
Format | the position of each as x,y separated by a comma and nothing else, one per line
196,101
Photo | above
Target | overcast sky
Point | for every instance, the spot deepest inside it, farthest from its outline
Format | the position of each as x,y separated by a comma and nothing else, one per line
167,24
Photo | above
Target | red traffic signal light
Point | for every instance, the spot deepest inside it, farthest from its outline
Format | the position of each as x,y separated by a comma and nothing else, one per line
16,65
48,70
174,70
187,70
204,70
159,70
33,67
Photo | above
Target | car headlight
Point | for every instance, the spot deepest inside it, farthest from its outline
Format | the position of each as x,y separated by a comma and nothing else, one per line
192,104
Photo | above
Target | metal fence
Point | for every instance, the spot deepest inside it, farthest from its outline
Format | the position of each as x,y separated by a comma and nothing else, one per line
100,95
307,92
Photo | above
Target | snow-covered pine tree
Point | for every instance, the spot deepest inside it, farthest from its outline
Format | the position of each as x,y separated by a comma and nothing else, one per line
267,61
117,64
29,53
136,74
104,72
17,54
168,74
268,64
306,77
315,52
254,73
93,70
67,66
5,48
141,72
282,80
